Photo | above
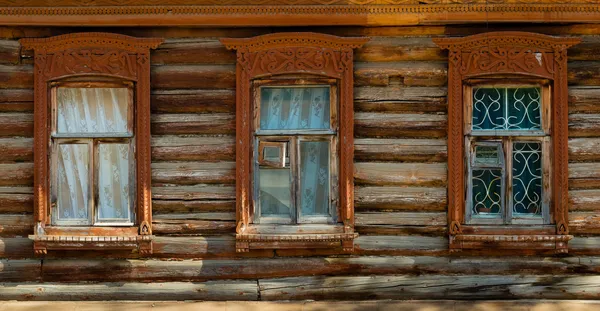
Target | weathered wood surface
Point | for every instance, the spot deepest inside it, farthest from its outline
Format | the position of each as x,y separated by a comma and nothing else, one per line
192,148
16,174
584,175
429,73
584,223
401,174
584,99
26,270
9,52
211,290
584,200
432,287
401,150
172,124
397,98
16,150
16,77
193,77
16,124
197,198
401,223
193,101
16,200
368,124
16,224
584,149
193,173
400,198
194,223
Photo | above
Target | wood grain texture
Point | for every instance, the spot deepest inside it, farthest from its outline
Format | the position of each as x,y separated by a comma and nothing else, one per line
16,100
400,125
16,150
401,198
401,73
16,77
192,148
193,101
193,173
24,270
193,77
16,200
400,174
16,174
401,150
584,176
16,124
398,98
175,124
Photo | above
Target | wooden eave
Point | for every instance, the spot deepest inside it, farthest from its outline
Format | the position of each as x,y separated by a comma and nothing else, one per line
292,12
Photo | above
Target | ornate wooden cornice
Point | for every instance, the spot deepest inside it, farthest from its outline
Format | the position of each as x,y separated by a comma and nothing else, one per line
284,40
292,12
90,40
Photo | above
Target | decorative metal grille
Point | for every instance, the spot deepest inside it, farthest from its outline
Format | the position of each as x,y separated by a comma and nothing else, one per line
527,178
487,192
506,109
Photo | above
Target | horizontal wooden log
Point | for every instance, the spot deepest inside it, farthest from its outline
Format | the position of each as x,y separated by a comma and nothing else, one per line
132,270
588,49
16,174
584,125
189,173
584,200
584,175
400,198
16,150
583,73
194,223
212,290
431,287
196,192
398,49
193,77
400,174
16,200
198,124
192,51
397,98
219,246
192,148
16,248
588,246
193,101
16,77
584,99
400,245
401,73
584,149
584,223
402,150
9,51
402,223
26,270
368,124
16,100
16,225
190,206
16,124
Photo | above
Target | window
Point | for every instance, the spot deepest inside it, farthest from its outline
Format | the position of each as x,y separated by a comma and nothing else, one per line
92,141
507,142
294,153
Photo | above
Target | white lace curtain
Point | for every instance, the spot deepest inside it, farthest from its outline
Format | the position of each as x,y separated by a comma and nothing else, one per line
93,111
294,108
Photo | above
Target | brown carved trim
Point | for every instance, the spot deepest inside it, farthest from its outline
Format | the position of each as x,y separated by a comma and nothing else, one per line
292,12
293,53
514,53
93,55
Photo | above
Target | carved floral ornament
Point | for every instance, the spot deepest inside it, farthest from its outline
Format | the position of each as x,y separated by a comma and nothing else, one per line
92,55
516,54
294,53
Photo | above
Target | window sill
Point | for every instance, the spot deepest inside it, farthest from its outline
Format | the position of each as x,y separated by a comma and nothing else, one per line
292,237
556,243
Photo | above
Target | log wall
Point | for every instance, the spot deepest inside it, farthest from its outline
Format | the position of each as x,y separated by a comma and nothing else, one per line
400,176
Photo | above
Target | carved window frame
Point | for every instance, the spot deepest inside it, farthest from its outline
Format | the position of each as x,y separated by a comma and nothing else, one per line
509,55
301,55
93,57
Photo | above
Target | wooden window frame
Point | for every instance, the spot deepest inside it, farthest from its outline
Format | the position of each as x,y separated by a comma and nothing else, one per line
88,58
512,56
305,55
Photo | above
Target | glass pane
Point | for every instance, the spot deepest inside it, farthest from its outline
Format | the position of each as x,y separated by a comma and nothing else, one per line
314,177
92,110
274,194
487,193
506,108
294,108
114,191
73,182
271,154
527,179
487,155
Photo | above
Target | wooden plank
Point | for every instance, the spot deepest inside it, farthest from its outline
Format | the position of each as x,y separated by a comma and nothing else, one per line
584,175
16,150
16,200
398,98
584,149
192,77
584,200
397,49
587,49
16,124
401,73
402,223
194,223
584,99
219,246
16,225
400,174
588,246
9,51
189,173
16,174
192,51
584,223
196,192
198,124
584,125
211,290
16,100
367,124
583,73
25,270
16,77
400,198
431,287
193,101
400,245
192,148
16,248
403,150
